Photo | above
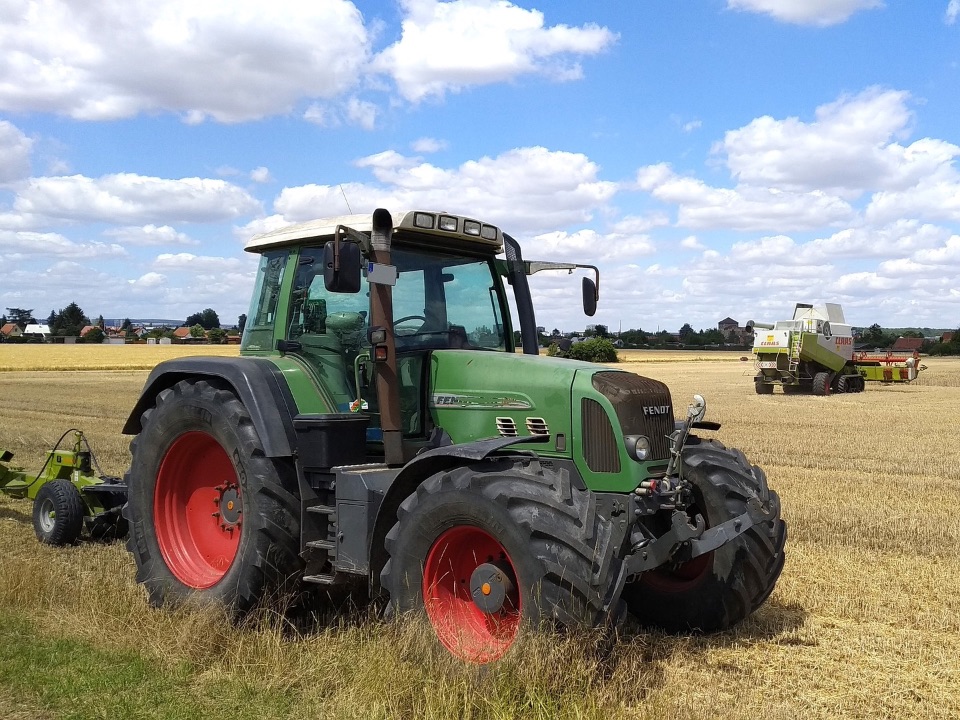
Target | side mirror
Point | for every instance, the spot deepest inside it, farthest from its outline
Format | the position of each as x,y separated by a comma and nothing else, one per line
589,297
341,267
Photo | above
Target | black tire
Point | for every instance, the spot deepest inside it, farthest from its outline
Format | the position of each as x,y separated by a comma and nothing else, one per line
821,383
108,527
762,388
719,589
557,552
844,385
792,389
58,513
198,433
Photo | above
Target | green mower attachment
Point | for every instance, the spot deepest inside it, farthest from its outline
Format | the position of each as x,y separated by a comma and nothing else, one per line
67,495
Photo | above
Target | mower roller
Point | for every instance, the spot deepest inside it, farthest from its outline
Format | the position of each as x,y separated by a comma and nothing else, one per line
66,495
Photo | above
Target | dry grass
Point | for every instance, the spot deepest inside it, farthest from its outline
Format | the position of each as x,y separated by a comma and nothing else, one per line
865,622
15,357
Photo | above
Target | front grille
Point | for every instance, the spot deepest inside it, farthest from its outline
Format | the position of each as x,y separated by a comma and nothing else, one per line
599,442
643,407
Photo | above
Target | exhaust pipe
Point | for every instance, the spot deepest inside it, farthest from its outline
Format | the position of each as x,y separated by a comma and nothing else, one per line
381,315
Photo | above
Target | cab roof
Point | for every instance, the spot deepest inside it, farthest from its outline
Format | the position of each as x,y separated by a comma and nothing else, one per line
436,226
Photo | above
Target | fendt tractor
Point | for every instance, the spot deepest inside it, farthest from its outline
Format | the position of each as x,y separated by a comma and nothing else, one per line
813,352
380,432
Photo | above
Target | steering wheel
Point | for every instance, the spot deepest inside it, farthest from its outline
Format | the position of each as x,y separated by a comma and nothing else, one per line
409,317
404,319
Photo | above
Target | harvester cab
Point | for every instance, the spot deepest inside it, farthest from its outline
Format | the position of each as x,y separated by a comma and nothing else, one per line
380,432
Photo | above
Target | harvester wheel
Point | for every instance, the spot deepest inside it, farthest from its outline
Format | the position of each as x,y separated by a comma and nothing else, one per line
210,516
718,589
485,549
821,383
58,513
762,388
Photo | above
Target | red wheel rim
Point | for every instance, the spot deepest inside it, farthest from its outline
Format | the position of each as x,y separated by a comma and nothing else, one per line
464,629
679,578
197,508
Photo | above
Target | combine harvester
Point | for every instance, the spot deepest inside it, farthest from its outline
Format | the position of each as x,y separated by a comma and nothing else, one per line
814,352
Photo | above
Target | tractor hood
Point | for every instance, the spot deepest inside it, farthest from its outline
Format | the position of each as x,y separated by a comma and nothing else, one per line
585,408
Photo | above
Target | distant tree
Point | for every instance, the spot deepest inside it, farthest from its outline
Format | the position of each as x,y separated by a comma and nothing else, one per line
99,322
197,331
52,319
216,335
712,337
94,335
241,322
125,325
20,316
685,332
207,318
69,321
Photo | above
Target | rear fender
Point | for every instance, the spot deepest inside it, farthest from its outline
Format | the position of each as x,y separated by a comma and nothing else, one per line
257,382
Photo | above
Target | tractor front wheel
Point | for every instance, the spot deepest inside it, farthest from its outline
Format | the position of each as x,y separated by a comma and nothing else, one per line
718,589
58,513
485,549
209,515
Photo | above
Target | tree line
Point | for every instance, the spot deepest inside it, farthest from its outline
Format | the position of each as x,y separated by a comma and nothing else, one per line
71,320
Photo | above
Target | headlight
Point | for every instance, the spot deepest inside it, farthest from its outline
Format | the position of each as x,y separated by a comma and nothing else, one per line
638,447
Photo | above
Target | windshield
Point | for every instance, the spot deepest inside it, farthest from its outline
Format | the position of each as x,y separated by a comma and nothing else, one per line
442,301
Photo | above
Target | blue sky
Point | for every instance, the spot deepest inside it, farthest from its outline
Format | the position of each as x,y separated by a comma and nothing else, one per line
713,157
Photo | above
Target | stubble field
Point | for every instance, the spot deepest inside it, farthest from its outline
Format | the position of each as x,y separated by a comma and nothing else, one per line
864,623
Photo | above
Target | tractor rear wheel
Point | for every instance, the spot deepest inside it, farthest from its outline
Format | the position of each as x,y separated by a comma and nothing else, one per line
485,549
821,383
718,589
209,515
58,513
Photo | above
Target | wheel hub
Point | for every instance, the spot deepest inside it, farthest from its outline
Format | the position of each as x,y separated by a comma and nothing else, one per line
489,586
229,508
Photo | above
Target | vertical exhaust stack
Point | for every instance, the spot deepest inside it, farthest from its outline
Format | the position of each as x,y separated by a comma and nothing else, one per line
381,315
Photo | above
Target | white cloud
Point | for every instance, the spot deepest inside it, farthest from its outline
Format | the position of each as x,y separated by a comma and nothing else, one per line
149,235
743,208
428,145
148,281
447,46
847,150
14,154
197,263
362,113
806,12
689,127
953,9
231,60
133,198
261,175
692,243
48,245
587,246
557,189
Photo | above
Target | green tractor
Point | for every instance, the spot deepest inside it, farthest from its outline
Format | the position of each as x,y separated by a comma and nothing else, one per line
380,432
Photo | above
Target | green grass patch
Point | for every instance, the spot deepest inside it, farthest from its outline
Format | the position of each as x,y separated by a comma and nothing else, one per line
69,679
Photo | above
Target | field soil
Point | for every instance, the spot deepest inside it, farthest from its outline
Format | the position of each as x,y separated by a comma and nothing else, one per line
864,623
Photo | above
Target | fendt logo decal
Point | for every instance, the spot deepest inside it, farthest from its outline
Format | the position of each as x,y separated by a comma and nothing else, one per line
656,410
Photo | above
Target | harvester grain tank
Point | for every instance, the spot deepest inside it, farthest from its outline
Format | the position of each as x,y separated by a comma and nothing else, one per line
813,352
